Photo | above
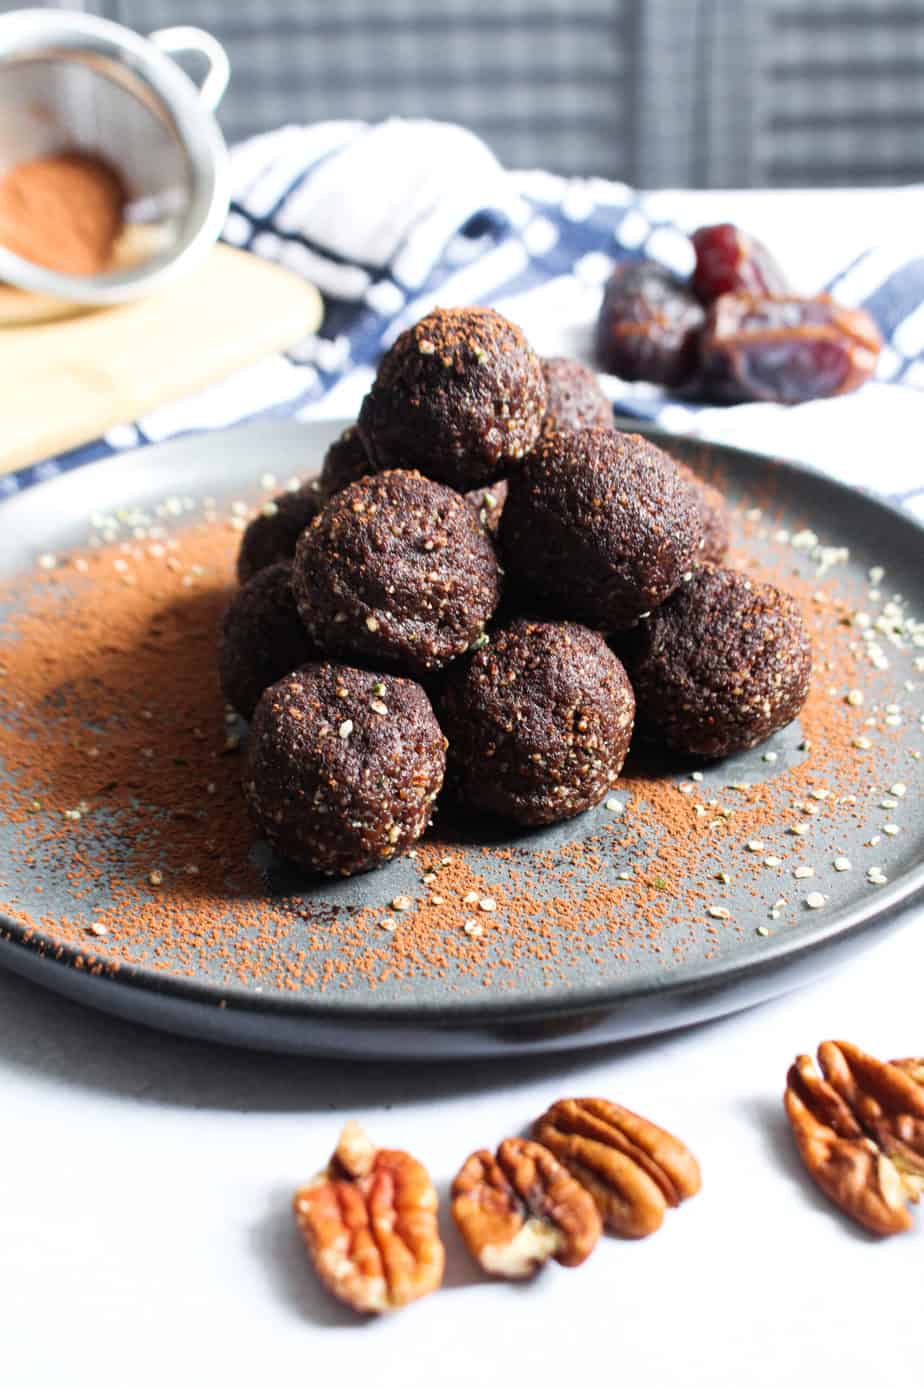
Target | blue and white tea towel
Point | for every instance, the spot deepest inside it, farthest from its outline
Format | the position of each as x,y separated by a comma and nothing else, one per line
391,219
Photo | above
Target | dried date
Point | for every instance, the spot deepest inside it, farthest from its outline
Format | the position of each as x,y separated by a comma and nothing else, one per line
729,261
648,326
785,350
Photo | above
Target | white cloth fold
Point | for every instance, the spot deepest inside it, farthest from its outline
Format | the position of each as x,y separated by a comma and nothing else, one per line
391,219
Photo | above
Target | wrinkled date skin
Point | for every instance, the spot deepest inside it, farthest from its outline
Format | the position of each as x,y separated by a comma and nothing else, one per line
785,350
729,261
648,326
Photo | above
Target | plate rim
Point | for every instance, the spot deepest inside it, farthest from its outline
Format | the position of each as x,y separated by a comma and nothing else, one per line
497,1007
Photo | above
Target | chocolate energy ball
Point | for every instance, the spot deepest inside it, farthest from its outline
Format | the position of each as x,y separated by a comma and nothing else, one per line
539,722
599,526
460,397
721,665
397,572
575,399
711,503
346,460
489,505
273,533
261,637
343,767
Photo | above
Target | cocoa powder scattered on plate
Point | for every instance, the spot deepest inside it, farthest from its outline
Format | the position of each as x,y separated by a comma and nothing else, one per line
121,772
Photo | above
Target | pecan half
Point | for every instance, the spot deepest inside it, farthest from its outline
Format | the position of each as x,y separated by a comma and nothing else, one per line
887,1100
859,1128
369,1223
913,1067
633,1169
521,1207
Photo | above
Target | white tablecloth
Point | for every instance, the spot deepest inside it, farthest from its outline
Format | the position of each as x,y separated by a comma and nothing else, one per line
145,1181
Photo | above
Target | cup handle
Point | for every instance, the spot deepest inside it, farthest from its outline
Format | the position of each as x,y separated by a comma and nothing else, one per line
185,38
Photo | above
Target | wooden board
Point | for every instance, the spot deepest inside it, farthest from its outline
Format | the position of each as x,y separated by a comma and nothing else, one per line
69,379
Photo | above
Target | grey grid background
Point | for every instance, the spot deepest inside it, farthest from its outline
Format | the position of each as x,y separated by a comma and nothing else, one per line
686,93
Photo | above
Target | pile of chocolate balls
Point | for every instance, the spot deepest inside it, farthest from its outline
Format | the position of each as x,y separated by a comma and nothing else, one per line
484,593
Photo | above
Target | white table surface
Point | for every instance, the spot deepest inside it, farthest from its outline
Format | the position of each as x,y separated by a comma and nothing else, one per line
145,1231
145,1183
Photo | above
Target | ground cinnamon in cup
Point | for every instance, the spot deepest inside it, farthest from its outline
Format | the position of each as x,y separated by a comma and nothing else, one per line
62,211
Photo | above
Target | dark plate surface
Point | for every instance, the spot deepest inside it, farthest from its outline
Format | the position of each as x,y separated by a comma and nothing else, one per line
697,970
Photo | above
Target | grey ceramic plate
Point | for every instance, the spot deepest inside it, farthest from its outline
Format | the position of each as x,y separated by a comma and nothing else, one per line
636,992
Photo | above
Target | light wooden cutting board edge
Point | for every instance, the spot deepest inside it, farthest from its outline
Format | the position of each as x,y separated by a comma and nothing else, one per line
68,381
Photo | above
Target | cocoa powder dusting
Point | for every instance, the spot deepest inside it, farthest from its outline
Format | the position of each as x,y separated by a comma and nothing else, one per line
62,211
121,773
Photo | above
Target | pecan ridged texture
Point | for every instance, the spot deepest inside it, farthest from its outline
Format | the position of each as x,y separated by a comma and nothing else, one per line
520,1208
369,1222
914,1067
859,1128
633,1169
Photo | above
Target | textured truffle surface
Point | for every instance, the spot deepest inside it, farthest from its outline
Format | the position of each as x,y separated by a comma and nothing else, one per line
574,397
600,526
539,722
711,504
346,460
261,637
489,505
397,572
459,397
343,767
723,664
273,533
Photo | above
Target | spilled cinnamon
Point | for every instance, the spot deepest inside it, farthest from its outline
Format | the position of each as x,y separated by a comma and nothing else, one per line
121,777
